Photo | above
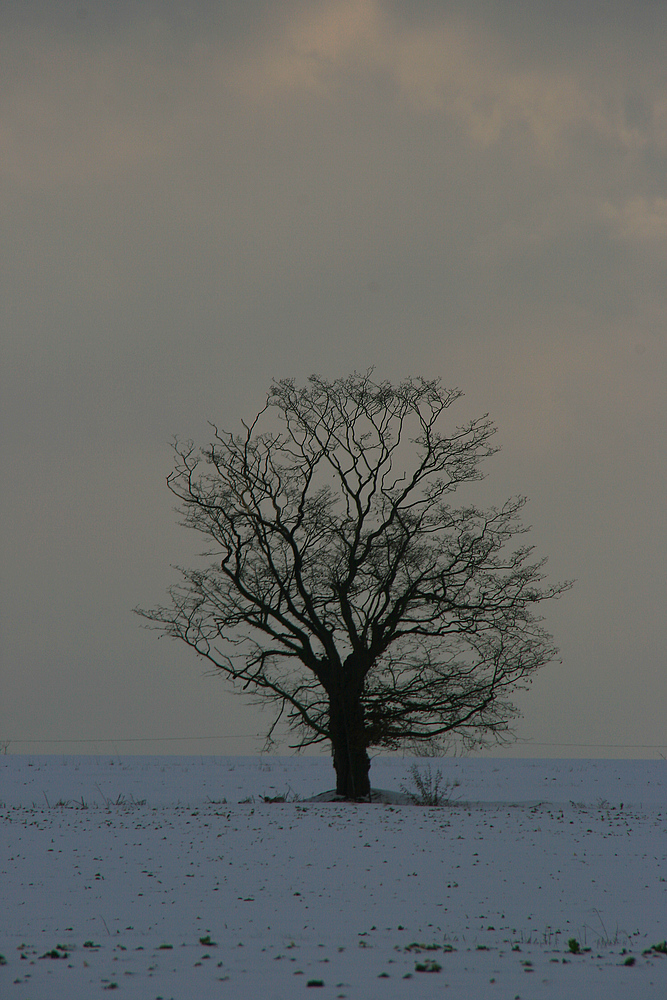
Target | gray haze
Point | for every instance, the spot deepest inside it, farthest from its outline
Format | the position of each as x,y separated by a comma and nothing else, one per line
196,198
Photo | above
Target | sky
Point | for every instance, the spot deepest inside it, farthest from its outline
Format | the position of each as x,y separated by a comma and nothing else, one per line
197,198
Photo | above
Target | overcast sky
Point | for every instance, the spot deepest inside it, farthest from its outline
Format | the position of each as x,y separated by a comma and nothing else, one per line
198,197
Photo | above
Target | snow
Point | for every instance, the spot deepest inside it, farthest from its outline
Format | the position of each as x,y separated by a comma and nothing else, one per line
151,876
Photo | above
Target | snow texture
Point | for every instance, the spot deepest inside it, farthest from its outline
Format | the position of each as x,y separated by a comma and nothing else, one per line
175,877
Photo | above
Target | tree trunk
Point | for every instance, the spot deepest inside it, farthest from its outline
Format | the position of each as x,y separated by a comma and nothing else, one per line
348,739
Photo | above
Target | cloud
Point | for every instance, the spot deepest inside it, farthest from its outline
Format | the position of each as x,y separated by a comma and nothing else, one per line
456,68
80,108
639,219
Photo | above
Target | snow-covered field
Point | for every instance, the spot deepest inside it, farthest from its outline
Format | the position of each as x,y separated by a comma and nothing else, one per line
153,877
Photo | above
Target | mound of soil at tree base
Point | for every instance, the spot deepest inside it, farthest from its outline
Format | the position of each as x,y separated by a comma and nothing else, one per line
378,796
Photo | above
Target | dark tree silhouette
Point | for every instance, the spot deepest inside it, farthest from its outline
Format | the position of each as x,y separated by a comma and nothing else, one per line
344,586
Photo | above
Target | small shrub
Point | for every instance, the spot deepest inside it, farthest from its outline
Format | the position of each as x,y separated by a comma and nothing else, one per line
573,946
428,787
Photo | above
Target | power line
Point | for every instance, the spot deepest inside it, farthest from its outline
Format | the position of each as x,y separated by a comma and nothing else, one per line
605,746
241,736
141,739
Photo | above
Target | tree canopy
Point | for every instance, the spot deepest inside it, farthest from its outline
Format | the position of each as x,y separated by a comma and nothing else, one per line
344,585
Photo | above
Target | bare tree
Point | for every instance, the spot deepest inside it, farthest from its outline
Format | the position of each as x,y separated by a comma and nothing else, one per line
344,586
